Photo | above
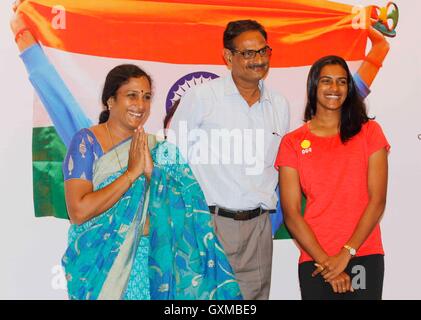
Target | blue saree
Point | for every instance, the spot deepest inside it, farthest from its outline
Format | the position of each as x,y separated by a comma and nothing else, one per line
186,260
108,258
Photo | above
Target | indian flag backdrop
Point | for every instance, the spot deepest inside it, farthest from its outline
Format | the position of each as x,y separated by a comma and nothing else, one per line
84,39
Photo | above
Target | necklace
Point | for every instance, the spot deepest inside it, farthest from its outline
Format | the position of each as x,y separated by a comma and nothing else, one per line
112,143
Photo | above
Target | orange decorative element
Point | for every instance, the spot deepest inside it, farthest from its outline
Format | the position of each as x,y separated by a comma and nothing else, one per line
190,31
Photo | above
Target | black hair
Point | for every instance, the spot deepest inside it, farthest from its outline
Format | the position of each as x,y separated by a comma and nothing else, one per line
170,113
353,110
235,28
117,77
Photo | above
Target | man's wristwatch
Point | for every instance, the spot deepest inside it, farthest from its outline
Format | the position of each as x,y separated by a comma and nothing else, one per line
351,250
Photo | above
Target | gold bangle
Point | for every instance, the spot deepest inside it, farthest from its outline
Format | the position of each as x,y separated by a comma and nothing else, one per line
128,177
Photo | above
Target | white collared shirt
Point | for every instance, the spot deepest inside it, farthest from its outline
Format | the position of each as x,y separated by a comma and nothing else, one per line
236,173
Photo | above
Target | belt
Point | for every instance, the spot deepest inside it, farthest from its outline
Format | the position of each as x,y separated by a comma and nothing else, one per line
239,214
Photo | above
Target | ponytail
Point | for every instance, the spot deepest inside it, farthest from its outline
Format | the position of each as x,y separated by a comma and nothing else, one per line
103,117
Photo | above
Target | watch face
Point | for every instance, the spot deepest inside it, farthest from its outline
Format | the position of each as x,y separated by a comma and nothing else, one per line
351,250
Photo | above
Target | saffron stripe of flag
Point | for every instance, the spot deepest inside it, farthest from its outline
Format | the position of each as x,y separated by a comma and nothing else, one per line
190,32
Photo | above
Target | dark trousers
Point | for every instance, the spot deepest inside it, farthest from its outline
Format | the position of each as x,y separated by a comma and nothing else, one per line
366,274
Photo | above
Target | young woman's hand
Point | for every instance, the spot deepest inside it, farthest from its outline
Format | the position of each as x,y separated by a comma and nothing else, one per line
333,266
342,283
374,35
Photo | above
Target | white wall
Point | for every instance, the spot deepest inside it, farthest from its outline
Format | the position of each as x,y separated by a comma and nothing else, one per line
30,247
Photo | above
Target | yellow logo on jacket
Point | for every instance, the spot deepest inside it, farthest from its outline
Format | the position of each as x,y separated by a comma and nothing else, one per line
306,146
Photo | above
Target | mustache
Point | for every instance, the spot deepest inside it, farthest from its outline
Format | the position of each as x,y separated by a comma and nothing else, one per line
257,65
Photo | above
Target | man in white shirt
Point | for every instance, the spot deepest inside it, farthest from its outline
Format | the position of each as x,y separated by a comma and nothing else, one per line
229,129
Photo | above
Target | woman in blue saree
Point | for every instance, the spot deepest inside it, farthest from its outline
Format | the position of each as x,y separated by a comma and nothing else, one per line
141,228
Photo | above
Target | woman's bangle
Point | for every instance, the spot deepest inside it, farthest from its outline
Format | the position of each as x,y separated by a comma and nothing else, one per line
375,63
20,33
129,177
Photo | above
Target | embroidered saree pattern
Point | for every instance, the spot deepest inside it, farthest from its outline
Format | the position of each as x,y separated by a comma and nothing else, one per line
186,259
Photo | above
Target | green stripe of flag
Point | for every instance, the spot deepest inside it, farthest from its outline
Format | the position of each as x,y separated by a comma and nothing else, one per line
282,232
48,152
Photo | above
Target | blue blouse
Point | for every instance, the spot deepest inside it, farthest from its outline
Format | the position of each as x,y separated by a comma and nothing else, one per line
83,150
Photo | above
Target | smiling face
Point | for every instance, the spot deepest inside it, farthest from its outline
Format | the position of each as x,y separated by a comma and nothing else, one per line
248,70
332,87
132,103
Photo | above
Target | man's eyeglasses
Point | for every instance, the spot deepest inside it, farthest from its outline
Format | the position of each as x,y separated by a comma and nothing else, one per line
251,54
